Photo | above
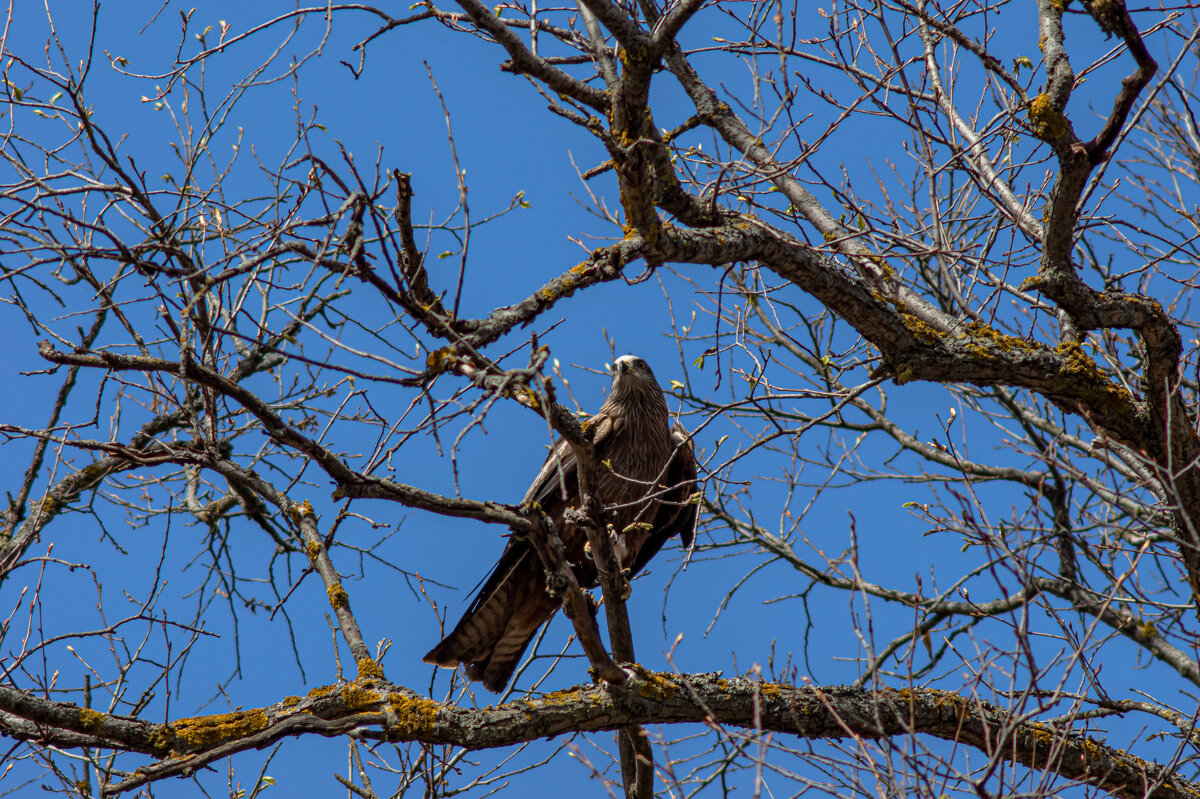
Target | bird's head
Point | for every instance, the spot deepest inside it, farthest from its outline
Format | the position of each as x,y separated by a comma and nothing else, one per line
631,373
634,390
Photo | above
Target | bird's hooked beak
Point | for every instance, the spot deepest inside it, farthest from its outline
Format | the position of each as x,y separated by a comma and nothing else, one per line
628,367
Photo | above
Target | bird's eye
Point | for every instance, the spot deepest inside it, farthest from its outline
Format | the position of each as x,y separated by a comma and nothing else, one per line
639,363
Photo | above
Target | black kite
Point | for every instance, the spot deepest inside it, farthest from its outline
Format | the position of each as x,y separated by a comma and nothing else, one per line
646,480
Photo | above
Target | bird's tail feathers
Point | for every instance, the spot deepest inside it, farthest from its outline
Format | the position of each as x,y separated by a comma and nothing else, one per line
493,634
475,635
499,668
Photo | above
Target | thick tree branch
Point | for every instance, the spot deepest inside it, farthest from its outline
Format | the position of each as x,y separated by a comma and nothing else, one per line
378,709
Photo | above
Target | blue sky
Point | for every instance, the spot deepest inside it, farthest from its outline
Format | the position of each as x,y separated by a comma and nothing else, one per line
508,144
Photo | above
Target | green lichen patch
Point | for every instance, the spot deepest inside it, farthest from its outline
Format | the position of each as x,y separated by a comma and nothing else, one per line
162,738
984,341
90,720
1077,360
1004,342
1109,15
48,506
980,340
1101,394
903,373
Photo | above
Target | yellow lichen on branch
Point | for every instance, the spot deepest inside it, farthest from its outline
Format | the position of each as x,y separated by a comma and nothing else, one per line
359,695
338,598
322,690
413,715
368,667
1104,396
1048,122
440,360
302,509
205,732
524,396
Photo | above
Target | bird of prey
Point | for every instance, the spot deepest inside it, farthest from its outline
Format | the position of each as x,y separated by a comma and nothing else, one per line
647,476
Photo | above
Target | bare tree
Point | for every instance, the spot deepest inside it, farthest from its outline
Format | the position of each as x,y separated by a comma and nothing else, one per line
856,214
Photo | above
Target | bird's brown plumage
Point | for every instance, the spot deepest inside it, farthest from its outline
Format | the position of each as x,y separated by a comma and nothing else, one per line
650,474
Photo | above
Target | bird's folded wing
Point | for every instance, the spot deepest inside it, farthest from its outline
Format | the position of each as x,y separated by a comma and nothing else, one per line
677,514
556,481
